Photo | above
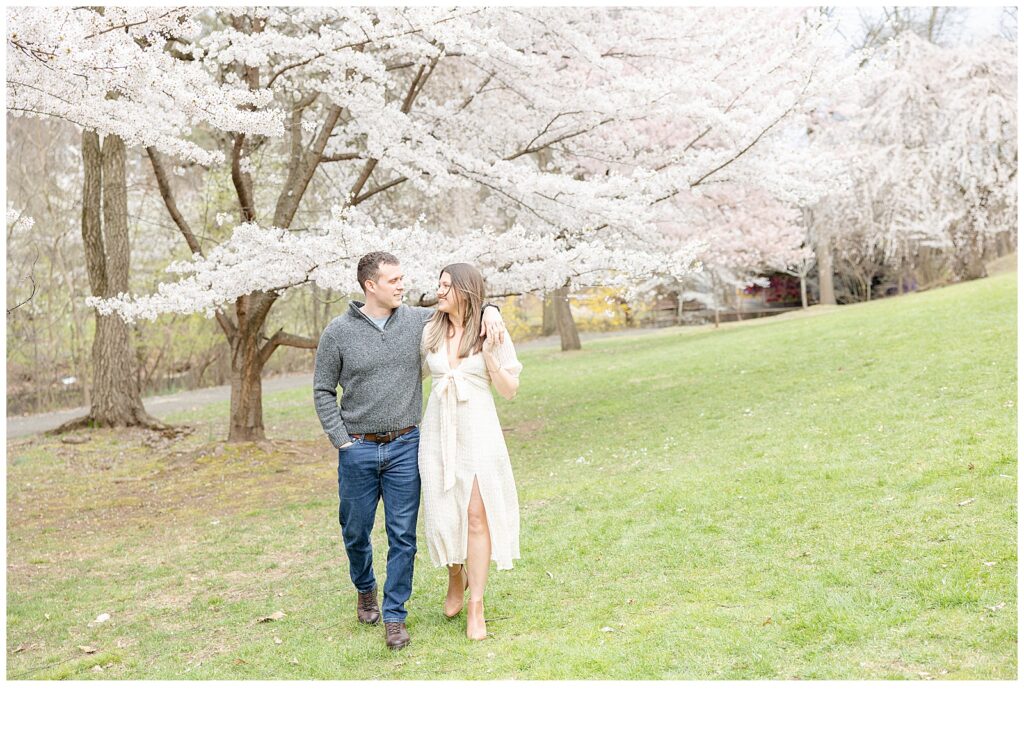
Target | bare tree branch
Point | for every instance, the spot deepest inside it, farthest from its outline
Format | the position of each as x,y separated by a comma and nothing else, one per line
534,149
415,89
164,185
378,190
356,44
302,172
280,338
27,299
347,156
125,26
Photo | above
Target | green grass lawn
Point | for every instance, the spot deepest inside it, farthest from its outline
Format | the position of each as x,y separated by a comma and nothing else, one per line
822,497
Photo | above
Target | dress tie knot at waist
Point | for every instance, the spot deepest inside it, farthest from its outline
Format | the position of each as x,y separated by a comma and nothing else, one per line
455,380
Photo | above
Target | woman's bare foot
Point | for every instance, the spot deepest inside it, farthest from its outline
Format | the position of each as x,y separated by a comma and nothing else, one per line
458,581
476,625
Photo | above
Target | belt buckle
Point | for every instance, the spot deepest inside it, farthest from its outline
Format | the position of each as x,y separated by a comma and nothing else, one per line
390,436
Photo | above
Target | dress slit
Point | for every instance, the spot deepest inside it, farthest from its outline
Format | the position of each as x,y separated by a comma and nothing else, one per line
465,519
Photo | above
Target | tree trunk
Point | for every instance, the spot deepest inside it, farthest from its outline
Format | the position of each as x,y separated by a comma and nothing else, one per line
826,286
548,326
803,290
116,400
564,320
246,388
714,296
115,393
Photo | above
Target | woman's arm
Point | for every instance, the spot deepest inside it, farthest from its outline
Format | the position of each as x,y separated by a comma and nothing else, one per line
424,370
492,324
505,383
496,356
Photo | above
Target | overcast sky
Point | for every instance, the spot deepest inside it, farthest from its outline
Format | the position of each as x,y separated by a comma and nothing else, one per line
981,22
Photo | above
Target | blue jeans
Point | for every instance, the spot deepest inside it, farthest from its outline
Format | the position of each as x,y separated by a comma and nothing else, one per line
368,472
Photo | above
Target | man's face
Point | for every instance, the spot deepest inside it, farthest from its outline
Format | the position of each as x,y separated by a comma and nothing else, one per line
387,289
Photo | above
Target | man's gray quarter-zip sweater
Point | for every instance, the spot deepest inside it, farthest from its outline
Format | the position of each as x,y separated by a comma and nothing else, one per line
378,371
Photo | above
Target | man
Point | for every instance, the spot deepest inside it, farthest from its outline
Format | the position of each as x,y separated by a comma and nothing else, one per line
373,352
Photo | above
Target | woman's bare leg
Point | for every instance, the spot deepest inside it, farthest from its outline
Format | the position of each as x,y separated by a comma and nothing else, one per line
478,561
456,590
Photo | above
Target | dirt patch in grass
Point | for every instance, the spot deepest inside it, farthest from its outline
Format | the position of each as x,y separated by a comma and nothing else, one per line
123,499
527,427
113,482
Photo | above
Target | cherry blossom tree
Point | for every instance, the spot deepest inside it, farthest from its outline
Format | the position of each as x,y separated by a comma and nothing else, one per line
108,71
117,71
433,102
933,161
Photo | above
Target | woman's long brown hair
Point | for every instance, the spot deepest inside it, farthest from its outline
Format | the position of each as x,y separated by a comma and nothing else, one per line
468,290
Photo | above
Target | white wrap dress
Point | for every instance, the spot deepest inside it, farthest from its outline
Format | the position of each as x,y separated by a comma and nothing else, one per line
461,438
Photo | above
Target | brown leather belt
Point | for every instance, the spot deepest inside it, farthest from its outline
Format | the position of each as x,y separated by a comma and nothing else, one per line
382,437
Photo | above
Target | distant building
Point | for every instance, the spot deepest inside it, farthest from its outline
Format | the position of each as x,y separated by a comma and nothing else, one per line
782,293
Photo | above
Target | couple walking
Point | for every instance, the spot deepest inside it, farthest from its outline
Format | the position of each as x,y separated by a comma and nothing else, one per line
378,353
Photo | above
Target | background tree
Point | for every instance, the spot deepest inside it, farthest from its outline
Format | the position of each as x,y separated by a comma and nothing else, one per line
106,70
932,156
46,334
938,24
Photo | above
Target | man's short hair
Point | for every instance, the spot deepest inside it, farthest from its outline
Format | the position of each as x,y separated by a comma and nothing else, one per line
369,266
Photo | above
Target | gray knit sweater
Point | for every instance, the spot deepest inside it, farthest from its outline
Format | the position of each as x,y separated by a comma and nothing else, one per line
378,370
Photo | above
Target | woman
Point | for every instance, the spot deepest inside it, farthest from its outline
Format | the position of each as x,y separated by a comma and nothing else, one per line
470,506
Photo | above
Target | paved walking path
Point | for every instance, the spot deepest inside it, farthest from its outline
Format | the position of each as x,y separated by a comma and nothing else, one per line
163,405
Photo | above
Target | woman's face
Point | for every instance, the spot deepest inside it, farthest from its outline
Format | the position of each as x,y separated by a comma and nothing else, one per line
448,299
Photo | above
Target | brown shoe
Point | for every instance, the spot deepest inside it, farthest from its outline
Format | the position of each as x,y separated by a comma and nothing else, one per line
396,636
366,607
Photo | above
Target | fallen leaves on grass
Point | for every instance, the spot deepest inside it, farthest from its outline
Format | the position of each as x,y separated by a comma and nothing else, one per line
968,501
268,618
767,621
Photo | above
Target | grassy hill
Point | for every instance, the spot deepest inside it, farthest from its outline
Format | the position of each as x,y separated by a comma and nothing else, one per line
829,496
